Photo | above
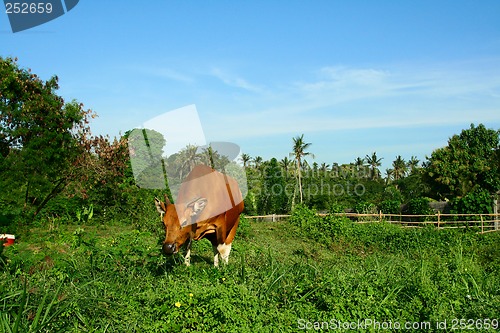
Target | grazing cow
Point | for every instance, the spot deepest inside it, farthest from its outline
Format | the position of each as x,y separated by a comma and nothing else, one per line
208,206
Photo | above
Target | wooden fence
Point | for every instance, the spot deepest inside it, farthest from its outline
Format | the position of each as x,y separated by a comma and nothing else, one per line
485,222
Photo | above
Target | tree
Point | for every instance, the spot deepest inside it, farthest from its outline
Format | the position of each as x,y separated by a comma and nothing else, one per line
273,197
399,168
102,171
468,163
189,157
257,161
389,174
323,168
374,162
285,164
41,139
146,157
413,164
299,151
245,158
359,162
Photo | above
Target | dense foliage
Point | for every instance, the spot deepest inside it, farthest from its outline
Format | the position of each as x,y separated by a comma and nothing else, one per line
41,139
469,162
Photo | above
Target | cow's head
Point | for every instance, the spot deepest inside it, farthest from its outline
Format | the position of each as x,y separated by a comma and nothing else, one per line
179,221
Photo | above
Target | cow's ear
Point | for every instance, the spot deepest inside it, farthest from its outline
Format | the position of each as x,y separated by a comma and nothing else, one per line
160,206
167,200
198,205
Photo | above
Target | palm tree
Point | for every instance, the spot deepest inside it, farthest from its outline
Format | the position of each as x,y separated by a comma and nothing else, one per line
187,159
374,162
388,175
359,162
299,151
315,166
245,158
323,168
413,163
400,168
285,165
360,165
257,161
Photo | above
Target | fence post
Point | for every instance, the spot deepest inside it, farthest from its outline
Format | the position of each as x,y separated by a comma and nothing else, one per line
439,218
495,211
482,223
380,216
274,218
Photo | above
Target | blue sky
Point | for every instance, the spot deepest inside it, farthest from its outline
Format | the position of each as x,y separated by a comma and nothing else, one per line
395,77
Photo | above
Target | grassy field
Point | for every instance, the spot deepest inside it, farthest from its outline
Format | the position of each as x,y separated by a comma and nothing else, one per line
307,274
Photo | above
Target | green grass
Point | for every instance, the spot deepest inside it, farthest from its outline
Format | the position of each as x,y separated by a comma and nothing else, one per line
281,277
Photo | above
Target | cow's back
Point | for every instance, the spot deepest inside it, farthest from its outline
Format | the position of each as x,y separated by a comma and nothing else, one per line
221,191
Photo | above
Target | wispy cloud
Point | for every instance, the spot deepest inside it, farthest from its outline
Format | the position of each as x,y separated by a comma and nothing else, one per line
167,73
235,81
341,98
173,75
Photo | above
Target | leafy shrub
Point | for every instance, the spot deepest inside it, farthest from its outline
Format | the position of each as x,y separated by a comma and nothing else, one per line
418,206
324,229
390,207
476,202
365,208
244,228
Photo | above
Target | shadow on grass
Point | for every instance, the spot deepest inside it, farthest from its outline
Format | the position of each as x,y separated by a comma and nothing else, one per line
167,264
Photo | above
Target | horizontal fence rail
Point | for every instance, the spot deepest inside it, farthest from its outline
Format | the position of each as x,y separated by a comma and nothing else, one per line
486,222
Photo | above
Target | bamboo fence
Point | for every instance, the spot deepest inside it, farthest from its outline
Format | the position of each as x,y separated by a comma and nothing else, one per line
485,222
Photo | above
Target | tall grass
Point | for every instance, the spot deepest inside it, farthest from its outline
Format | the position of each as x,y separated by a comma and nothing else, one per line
114,279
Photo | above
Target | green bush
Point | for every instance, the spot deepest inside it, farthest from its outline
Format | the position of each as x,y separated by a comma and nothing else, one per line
365,208
418,206
476,202
390,207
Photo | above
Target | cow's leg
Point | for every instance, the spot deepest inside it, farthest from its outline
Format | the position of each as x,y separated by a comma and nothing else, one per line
187,257
224,250
216,255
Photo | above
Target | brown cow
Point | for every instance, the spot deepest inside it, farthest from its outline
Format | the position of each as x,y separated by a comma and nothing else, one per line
208,206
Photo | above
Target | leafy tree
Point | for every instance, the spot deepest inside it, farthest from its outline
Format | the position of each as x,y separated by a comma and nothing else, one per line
104,170
146,157
273,197
41,139
299,151
469,162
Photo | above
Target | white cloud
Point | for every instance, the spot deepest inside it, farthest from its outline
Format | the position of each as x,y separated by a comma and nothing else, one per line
343,98
173,75
235,81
